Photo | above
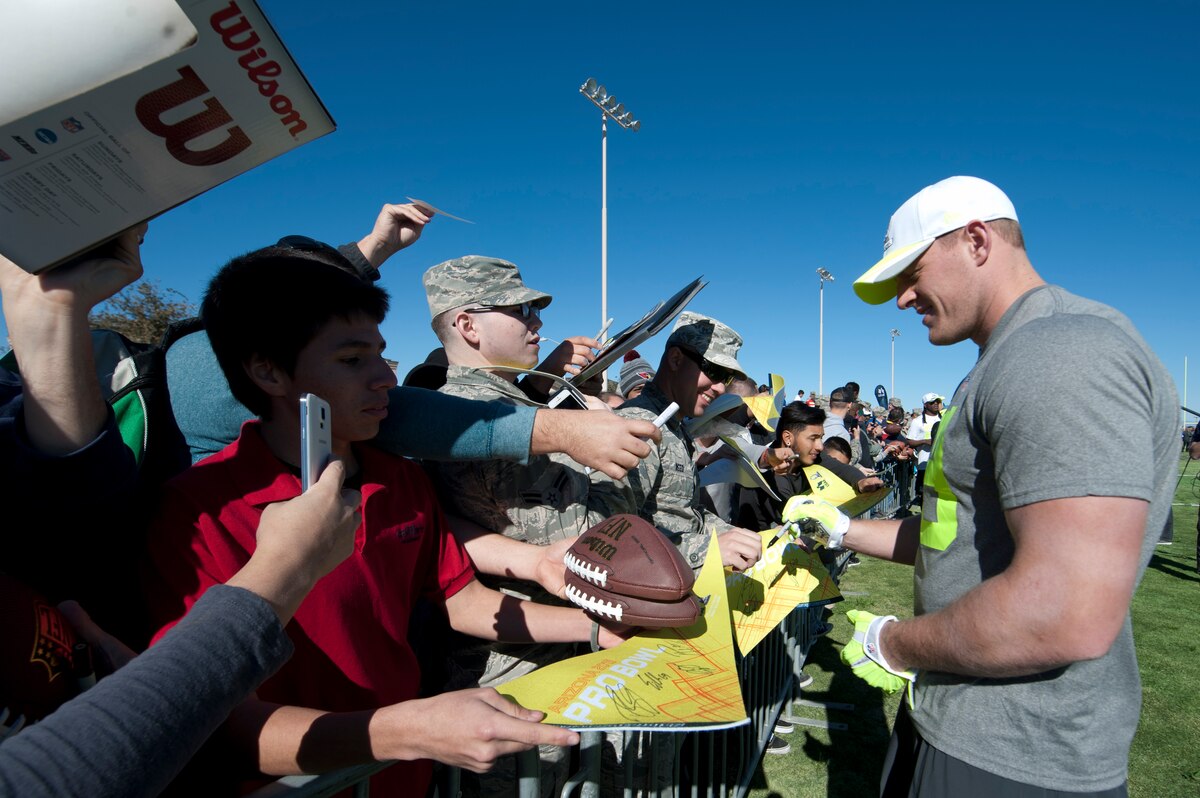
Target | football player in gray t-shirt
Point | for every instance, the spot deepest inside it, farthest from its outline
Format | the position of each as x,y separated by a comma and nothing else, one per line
1019,661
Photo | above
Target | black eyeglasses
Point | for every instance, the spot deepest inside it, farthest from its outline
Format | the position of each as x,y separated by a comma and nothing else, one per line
524,311
711,370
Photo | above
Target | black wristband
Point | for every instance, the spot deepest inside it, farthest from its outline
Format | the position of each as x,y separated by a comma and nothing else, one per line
365,270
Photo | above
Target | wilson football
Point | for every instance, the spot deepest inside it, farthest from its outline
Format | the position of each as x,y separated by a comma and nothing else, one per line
628,556
604,605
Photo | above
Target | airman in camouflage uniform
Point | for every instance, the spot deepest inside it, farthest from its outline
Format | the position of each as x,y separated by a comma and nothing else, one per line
700,357
540,502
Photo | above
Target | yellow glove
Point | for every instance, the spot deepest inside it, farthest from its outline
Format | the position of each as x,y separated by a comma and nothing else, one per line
865,658
826,523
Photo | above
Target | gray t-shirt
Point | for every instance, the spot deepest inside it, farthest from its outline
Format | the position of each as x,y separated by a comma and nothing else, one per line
1059,376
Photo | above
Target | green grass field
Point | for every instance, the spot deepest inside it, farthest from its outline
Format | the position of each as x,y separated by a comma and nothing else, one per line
1165,760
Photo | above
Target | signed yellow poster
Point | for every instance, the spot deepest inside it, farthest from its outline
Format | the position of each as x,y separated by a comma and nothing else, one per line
827,486
785,578
662,680
767,407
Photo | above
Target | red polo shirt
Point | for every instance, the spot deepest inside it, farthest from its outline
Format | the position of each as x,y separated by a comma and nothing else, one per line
351,632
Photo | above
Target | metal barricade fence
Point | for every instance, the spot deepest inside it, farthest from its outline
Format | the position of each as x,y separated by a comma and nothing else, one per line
703,764
899,475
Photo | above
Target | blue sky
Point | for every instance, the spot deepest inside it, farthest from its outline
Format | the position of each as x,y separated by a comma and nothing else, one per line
776,138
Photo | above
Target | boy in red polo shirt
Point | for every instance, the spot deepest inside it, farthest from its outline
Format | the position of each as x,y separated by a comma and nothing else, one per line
285,322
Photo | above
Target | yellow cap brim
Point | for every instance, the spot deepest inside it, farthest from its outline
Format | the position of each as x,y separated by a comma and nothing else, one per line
878,283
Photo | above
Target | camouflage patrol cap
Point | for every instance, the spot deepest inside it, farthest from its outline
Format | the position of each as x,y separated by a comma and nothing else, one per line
715,342
477,279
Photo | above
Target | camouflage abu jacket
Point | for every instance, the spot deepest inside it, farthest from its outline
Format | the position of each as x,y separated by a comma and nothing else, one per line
540,502
664,488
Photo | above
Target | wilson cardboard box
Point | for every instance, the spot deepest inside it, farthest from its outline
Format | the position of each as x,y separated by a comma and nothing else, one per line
117,110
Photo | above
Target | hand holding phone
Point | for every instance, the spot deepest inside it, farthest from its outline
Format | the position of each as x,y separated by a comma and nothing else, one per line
316,440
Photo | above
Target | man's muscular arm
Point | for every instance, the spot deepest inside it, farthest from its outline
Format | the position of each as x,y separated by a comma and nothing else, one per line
1063,598
888,540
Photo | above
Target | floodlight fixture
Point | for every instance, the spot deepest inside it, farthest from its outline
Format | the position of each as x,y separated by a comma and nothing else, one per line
895,333
825,277
608,105
617,112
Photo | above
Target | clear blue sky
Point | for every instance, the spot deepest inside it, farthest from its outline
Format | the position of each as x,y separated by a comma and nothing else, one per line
776,138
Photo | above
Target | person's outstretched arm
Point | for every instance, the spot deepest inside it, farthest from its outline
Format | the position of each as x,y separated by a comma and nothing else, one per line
433,426
134,731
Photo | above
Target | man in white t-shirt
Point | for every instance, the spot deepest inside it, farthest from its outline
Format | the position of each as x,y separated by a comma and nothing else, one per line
920,433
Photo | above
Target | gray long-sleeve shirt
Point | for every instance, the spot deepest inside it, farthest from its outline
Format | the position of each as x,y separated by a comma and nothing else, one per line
134,731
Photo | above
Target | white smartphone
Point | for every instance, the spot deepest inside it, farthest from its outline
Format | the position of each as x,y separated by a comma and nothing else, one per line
316,443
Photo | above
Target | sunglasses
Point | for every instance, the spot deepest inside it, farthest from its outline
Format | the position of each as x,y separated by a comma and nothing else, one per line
524,311
711,370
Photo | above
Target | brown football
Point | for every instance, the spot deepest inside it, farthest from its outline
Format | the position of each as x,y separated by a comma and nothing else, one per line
628,556
604,605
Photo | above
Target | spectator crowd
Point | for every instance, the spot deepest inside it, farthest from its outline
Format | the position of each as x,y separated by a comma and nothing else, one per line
371,617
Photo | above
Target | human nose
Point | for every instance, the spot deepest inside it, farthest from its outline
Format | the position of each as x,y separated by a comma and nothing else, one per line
718,388
905,295
383,378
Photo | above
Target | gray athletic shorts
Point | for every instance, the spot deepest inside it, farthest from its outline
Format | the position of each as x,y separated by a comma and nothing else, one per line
915,769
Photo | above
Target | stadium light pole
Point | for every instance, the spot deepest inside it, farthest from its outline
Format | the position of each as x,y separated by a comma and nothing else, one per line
895,333
825,277
609,109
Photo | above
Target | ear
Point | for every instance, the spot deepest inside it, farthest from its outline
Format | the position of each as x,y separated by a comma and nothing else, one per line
673,358
270,379
978,239
465,324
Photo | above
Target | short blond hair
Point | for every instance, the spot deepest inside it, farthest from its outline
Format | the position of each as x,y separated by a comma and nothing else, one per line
1010,231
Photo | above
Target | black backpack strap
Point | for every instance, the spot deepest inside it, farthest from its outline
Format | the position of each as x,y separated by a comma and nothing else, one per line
178,329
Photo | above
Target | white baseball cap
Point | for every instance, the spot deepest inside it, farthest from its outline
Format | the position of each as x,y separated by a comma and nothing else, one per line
933,211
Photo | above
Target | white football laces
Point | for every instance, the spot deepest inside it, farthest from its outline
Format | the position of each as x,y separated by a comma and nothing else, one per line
596,606
592,573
